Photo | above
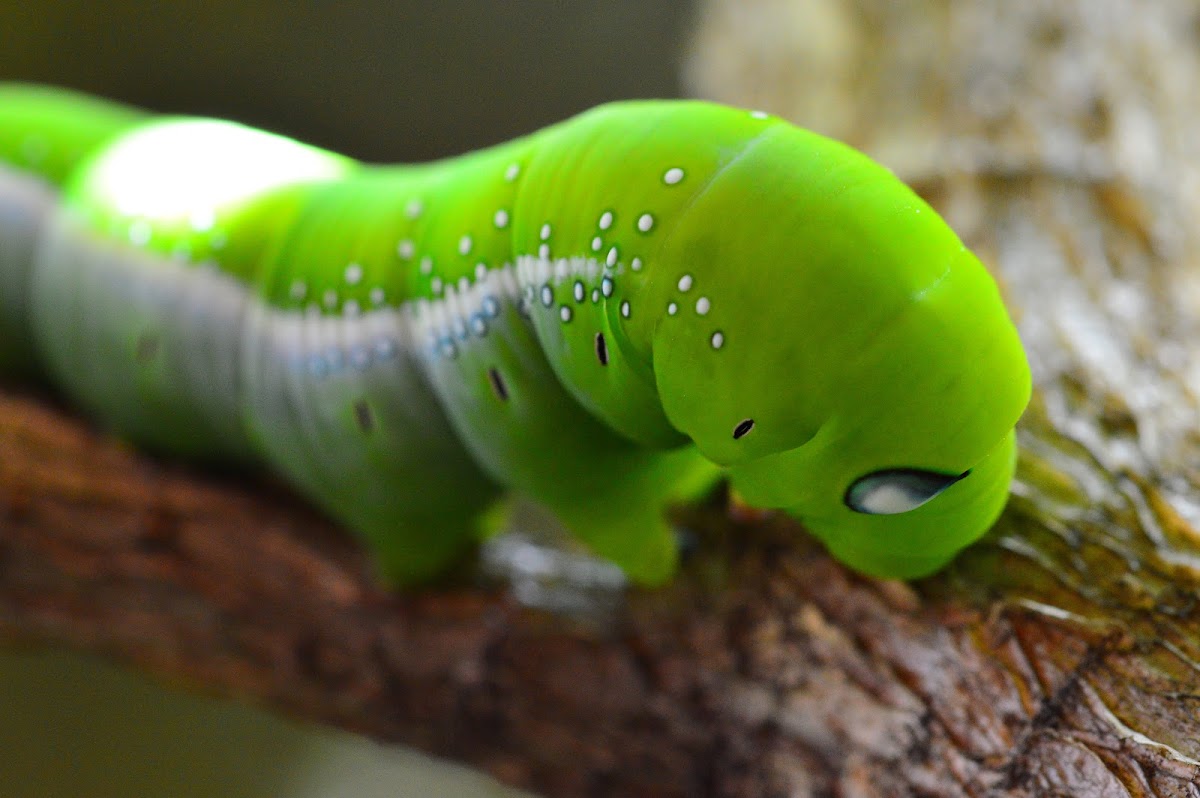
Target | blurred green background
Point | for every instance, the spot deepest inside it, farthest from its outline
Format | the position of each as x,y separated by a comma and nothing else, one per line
383,81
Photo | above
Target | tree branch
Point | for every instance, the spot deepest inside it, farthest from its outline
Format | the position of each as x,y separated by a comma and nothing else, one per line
1059,656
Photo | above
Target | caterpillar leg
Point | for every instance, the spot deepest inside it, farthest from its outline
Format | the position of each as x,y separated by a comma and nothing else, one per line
624,519
26,204
338,405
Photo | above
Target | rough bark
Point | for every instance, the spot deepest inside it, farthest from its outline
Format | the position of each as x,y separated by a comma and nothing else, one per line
1060,656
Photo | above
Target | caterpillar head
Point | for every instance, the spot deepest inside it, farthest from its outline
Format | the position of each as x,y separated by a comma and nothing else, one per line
854,365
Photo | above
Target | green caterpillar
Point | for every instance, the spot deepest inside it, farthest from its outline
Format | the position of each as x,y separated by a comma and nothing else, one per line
606,315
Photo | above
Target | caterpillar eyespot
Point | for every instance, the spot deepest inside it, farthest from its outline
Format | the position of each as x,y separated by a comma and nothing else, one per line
897,490
575,315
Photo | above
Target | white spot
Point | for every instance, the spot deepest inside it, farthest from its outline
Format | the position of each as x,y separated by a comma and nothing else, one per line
510,174
139,233
426,265
606,220
625,308
480,271
545,233
718,340
464,245
203,220
611,260
597,244
595,295
547,295
413,209
331,298
685,282
351,308
435,285
501,218
544,252
673,176
645,222
579,291
478,325
702,306
759,114
405,249
606,287
464,283
354,274
299,290
564,313
377,296
636,264
672,309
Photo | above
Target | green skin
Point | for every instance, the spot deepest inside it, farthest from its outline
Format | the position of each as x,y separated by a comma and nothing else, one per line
585,315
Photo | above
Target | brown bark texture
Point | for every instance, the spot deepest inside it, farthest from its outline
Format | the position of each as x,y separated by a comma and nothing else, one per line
1059,656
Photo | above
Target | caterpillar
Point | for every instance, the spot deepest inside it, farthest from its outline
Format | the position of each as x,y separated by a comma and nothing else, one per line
608,315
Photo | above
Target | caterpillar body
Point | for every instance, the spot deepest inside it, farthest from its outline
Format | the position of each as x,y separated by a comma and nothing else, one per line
606,315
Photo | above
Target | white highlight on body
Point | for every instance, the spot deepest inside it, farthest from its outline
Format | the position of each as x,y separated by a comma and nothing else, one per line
464,245
330,298
703,306
597,244
298,290
672,308
143,175
354,273
203,220
501,219
636,264
673,176
717,340
611,260
512,172
426,265
645,222
625,308
405,249
606,220
565,313
685,283
377,296
413,209
544,235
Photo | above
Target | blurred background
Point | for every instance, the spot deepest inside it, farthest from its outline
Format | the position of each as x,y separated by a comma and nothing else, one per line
383,81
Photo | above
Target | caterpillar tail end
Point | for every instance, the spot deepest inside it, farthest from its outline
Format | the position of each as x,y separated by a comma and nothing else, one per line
50,131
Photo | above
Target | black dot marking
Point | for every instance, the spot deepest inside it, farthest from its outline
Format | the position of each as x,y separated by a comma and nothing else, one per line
742,428
147,347
601,349
498,386
363,416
